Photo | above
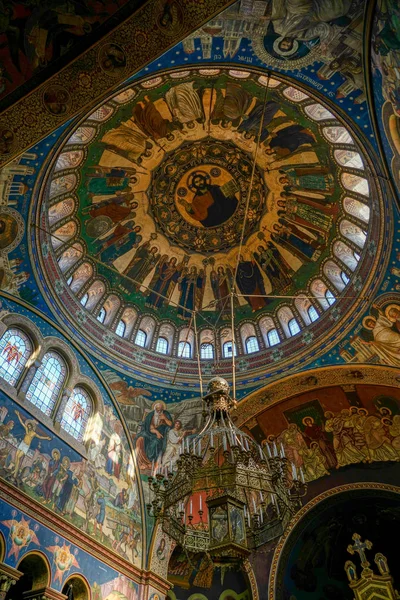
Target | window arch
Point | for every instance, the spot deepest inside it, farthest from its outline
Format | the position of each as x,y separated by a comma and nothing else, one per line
273,337
330,297
141,338
293,326
227,349
252,344
312,313
184,350
76,413
47,382
69,280
121,328
102,315
84,299
15,349
162,345
207,351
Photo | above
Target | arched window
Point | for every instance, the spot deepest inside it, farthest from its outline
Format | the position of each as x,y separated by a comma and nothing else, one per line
140,339
47,382
70,280
184,350
273,337
344,277
312,313
207,351
121,328
76,413
252,345
162,345
330,297
84,299
15,349
102,315
228,349
293,326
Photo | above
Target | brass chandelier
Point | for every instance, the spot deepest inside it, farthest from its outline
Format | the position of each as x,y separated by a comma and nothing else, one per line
227,495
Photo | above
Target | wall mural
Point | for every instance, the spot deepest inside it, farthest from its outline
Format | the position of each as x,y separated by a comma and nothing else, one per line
24,534
312,561
386,59
98,494
161,172
330,428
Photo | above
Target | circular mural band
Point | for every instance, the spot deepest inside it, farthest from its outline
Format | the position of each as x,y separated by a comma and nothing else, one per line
195,185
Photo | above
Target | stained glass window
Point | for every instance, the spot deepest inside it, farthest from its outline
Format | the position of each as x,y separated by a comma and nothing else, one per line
162,345
15,349
207,351
293,327
84,299
140,339
184,350
344,277
47,382
252,344
76,413
273,337
121,328
102,315
312,313
228,348
330,297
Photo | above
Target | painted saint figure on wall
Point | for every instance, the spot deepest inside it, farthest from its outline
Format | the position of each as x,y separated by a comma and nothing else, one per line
152,440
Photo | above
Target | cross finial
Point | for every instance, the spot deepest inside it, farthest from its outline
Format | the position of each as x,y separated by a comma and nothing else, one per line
360,548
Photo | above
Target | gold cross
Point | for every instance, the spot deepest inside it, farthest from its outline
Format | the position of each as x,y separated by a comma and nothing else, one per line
360,548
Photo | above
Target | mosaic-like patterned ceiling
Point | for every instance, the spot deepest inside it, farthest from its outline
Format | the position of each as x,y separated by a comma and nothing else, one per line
142,218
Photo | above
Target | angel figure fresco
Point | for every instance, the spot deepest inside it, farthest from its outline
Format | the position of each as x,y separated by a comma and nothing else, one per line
117,208
165,278
259,116
151,122
232,107
276,268
287,140
302,214
21,535
29,426
144,260
250,282
63,560
221,283
303,245
310,178
122,238
128,141
382,332
191,287
184,102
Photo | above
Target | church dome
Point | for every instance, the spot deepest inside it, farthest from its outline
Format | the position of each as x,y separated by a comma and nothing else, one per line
160,213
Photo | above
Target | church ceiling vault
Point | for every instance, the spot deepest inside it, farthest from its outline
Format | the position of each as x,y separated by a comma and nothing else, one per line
143,214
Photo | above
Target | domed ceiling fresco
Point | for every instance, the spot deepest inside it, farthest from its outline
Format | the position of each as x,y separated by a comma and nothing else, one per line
161,209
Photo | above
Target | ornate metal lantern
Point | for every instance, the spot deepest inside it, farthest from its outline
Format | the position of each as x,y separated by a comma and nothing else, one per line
227,494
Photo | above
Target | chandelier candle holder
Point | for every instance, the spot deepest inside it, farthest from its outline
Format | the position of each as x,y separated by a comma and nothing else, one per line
226,494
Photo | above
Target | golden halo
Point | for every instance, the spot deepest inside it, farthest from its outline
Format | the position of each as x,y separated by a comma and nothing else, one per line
388,308
306,418
364,322
159,402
